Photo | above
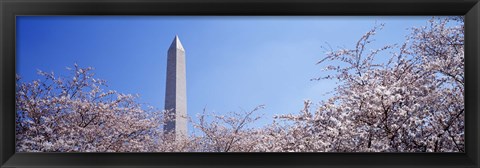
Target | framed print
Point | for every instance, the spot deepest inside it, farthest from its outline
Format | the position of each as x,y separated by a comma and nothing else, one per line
239,83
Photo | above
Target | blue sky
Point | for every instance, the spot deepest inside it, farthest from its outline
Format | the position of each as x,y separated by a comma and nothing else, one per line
233,63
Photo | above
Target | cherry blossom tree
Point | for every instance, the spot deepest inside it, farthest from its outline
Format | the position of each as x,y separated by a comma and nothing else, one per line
75,114
411,103
220,133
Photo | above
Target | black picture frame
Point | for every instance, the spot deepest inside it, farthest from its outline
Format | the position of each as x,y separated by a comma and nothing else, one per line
9,9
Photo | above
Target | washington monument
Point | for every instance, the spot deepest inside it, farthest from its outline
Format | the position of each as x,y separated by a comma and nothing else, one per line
176,91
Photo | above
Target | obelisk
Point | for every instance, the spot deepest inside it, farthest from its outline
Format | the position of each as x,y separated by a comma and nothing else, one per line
176,91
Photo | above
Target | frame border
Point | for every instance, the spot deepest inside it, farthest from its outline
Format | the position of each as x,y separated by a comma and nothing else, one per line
9,9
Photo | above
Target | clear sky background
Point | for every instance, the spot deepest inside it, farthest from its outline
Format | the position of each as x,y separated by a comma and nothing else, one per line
233,63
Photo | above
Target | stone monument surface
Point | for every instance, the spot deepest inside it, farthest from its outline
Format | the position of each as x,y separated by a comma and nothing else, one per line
176,90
